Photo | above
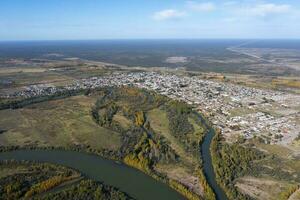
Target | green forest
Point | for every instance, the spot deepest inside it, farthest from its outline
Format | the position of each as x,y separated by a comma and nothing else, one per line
32,180
231,161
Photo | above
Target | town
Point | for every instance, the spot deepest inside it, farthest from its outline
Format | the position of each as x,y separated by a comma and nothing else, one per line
236,110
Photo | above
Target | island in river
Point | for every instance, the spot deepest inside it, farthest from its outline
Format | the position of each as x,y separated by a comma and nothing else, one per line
147,131
159,136
36,180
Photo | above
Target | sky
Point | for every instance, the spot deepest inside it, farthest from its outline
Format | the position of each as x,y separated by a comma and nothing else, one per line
148,19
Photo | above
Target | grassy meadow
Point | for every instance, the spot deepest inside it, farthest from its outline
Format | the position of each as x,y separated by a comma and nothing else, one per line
58,123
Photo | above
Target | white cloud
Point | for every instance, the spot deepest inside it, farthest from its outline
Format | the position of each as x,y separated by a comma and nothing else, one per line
201,7
168,14
266,9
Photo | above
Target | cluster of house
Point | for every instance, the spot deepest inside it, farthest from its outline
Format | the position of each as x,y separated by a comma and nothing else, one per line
37,90
234,109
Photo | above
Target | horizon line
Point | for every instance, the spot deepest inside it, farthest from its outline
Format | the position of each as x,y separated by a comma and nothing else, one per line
124,39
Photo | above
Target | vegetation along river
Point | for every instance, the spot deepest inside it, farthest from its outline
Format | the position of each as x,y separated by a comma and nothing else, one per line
208,167
127,179
207,161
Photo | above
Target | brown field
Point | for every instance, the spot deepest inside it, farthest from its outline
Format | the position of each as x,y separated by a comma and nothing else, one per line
56,123
262,188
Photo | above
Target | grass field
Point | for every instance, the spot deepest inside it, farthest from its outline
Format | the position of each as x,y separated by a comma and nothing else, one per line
57,73
182,172
285,83
63,123
272,177
159,122
262,188
278,150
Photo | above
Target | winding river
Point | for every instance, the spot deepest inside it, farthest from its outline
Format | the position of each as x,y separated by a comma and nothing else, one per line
127,179
208,167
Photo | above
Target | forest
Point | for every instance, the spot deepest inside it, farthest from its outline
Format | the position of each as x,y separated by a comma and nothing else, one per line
231,161
144,144
33,180
151,132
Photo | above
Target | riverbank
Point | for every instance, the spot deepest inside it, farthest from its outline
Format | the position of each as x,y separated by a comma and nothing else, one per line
204,175
45,181
127,179
150,132
208,168
206,158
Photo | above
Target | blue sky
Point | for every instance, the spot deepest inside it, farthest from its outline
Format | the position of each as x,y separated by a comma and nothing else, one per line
131,19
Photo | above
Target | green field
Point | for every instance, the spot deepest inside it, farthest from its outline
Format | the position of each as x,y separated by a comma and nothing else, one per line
56,123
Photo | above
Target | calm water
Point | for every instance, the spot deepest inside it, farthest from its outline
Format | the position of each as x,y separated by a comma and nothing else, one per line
208,167
127,179
207,161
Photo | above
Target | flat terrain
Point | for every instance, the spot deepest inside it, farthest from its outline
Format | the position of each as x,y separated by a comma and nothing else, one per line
64,122
240,89
262,188
276,58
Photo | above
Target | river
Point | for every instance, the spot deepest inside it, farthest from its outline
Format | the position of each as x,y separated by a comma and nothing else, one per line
127,179
208,167
132,181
